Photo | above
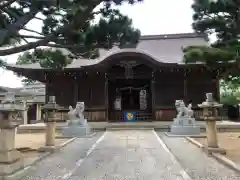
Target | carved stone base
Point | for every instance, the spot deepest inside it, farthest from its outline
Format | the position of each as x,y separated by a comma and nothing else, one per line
185,127
210,150
76,131
11,168
50,149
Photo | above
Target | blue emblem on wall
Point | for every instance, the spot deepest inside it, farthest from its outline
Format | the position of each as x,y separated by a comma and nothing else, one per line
130,116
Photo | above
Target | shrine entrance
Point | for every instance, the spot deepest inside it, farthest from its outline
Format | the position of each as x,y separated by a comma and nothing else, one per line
130,95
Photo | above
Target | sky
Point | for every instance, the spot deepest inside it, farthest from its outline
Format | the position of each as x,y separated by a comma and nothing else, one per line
151,17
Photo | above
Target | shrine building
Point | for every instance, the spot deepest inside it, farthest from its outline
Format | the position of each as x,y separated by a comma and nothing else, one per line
145,79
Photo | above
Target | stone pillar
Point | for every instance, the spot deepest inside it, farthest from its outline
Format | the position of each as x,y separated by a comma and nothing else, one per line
50,129
211,131
38,112
50,117
210,115
10,158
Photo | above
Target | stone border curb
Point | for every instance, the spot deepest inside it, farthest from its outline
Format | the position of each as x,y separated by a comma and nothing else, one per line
227,162
66,137
21,173
194,142
220,158
67,142
194,136
128,128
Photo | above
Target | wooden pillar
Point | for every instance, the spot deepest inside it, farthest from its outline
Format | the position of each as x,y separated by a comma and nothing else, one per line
106,97
76,86
185,87
25,112
153,94
38,112
217,89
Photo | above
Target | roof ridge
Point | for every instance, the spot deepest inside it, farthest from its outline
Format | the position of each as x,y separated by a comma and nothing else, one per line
173,36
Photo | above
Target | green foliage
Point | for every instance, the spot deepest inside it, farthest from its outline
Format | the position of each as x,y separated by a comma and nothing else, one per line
230,99
47,58
220,17
230,94
67,24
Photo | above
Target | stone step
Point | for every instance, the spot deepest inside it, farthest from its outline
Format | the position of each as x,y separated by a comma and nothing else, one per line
128,128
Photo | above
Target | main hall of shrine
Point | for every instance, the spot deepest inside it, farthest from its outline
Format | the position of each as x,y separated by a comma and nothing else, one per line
145,79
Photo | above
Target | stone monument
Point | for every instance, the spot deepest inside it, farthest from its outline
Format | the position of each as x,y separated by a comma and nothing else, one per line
184,124
10,159
77,124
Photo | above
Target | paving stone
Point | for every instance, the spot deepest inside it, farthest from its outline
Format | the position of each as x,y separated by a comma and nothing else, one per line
196,163
129,155
58,164
123,156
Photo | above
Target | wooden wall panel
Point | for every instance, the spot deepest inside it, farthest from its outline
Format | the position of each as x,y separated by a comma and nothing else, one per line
61,86
91,90
200,83
169,86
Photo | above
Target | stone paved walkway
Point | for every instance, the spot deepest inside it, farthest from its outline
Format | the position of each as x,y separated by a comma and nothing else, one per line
129,155
117,155
197,164
57,165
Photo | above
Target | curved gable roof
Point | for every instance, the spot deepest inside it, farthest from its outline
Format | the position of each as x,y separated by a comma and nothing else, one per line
161,48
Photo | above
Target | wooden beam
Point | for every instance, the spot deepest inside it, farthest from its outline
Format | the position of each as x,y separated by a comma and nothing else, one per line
153,94
185,87
106,97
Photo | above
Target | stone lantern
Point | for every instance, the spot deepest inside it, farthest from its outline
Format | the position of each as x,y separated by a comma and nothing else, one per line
50,110
210,116
10,158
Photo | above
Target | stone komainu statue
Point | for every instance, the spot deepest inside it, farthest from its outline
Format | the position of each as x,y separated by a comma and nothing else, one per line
76,115
182,110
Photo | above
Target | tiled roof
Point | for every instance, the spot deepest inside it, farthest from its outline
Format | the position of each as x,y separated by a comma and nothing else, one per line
166,48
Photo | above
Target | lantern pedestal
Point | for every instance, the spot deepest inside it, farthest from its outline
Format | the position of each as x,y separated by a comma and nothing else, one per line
50,109
212,140
11,161
211,131
49,138
210,116
10,158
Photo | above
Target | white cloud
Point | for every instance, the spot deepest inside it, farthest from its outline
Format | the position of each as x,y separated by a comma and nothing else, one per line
151,17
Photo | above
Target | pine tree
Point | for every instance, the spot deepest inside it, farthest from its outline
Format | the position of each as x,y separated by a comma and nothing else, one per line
67,24
221,17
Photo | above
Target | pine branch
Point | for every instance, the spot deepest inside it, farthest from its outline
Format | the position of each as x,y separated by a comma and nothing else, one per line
30,30
79,20
8,3
12,29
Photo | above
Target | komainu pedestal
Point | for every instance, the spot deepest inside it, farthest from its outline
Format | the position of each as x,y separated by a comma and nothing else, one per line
184,124
77,124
